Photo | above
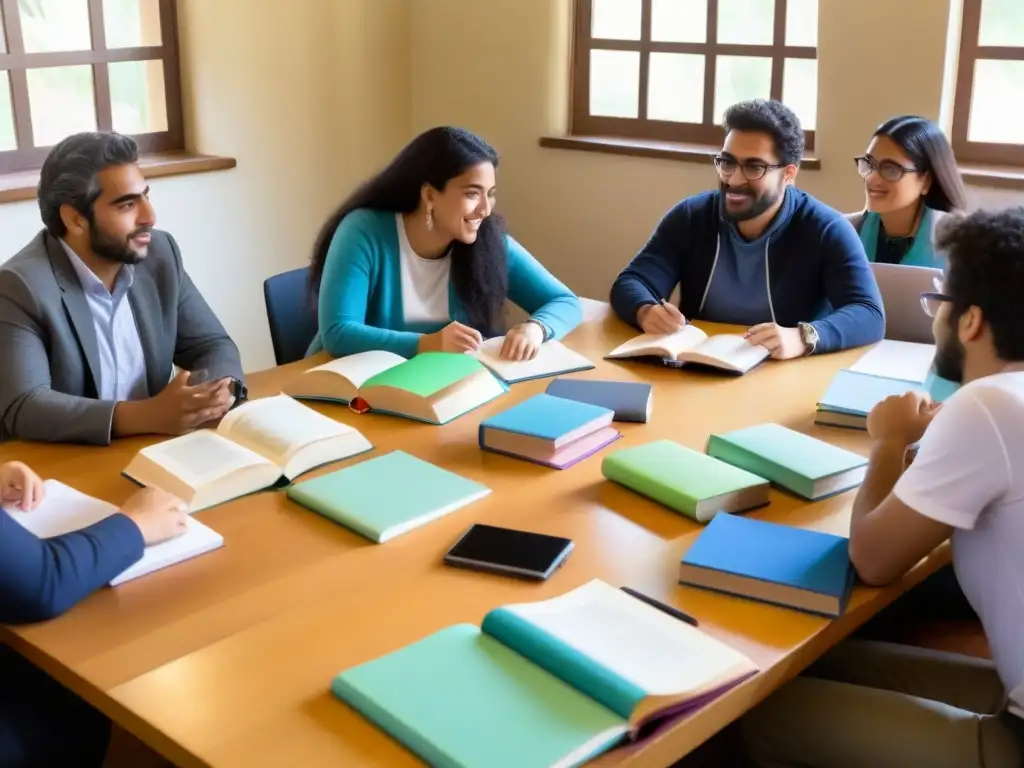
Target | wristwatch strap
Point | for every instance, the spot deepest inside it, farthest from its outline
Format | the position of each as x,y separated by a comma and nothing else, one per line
543,328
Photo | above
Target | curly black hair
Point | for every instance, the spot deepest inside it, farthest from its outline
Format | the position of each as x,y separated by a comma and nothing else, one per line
773,118
985,253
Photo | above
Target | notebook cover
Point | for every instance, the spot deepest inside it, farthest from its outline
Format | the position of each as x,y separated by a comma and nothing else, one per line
366,498
460,699
674,475
570,454
857,393
545,417
779,554
628,399
427,373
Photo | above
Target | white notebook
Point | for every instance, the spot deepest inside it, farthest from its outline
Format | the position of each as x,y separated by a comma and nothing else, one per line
890,359
65,510
552,359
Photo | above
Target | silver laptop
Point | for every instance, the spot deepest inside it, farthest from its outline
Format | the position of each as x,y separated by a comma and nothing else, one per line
901,288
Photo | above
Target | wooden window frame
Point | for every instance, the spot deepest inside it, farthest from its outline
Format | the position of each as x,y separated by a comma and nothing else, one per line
17,62
970,53
640,127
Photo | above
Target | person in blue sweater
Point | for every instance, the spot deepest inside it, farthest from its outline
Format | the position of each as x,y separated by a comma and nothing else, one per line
41,722
415,260
911,181
757,252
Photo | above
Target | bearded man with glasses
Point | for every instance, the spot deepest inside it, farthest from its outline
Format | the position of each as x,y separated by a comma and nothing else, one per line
757,252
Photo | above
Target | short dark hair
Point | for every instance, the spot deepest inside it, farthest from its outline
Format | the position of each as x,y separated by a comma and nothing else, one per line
69,174
775,119
985,254
928,149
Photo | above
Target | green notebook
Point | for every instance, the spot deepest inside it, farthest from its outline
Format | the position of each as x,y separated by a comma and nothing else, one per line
434,387
387,496
541,685
685,480
808,467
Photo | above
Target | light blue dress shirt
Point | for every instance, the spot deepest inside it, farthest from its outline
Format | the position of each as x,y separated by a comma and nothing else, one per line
122,361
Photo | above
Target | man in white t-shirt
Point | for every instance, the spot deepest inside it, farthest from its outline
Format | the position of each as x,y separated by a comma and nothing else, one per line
881,705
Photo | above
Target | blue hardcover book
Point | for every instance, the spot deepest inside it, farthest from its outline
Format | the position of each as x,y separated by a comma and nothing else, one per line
851,396
939,388
631,400
779,564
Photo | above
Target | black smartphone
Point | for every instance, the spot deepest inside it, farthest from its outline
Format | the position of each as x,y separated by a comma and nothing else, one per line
507,551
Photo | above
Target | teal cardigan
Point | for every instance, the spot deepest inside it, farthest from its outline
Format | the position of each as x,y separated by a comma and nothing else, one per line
360,304
922,252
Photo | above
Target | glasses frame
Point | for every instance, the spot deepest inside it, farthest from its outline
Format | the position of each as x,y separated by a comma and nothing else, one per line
936,295
876,167
761,169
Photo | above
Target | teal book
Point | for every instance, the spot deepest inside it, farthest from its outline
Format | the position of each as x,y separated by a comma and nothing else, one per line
387,496
433,387
939,388
851,396
779,564
685,480
802,464
542,685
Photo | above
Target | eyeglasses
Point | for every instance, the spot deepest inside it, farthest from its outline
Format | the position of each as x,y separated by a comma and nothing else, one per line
887,169
931,301
752,171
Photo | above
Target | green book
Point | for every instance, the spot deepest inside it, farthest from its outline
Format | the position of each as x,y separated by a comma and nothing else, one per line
387,496
541,685
685,480
434,387
808,467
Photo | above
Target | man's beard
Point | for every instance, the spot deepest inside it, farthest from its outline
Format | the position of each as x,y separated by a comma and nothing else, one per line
111,249
949,355
758,204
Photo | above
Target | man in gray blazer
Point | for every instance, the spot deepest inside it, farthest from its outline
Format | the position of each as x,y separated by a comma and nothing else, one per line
97,307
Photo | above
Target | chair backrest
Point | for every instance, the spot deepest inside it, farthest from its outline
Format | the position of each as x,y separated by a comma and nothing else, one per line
291,313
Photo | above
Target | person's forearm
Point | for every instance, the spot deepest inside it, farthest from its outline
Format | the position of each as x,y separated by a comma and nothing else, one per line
884,468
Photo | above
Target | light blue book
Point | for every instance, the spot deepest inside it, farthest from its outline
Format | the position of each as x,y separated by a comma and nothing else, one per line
852,394
541,685
939,388
387,496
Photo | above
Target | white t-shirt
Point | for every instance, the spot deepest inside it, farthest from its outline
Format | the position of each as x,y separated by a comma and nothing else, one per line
969,473
424,282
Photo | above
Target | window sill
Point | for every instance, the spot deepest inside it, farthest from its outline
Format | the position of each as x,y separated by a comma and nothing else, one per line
686,153
22,186
998,177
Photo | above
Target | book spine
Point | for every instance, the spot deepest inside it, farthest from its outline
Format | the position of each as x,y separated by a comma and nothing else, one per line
296,494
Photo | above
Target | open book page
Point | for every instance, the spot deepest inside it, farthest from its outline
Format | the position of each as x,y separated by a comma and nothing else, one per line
552,358
627,649
892,359
201,458
278,427
361,367
669,345
731,349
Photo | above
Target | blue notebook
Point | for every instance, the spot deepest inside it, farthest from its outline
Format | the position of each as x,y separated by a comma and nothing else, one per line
851,396
793,567
631,400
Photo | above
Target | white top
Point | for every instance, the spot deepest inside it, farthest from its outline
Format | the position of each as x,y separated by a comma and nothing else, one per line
969,473
424,282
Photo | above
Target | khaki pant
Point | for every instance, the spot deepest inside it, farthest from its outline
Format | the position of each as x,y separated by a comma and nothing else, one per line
880,705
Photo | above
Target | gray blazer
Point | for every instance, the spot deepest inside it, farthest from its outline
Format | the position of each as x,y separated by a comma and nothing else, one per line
49,356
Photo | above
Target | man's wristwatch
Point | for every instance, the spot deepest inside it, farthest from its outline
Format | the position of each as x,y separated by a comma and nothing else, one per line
239,391
545,331
809,336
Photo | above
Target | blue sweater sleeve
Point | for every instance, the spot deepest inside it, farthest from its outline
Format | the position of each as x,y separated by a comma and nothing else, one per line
857,317
656,267
344,294
541,294
43,578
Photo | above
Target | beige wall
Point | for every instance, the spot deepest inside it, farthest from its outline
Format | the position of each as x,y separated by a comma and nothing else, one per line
308,102
585,214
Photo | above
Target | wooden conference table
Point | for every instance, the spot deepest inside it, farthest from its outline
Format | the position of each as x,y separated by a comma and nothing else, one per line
226,660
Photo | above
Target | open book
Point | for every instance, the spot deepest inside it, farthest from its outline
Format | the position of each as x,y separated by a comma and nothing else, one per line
553,358
728,352
550,683
434,387
255,446
65,509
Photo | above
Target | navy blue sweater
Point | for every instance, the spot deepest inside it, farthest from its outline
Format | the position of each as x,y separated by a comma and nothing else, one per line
43,578
815,269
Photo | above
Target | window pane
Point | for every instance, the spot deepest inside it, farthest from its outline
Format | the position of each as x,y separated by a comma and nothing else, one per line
802,22
679,21
55,25
8,140
738,78
614,83
616,20
137,96
1002,22
746,22
675,87
800,90
997,84
61,101
131,23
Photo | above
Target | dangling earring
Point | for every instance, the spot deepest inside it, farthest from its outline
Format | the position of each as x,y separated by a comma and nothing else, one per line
430,218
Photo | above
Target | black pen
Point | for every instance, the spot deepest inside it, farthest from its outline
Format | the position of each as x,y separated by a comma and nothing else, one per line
674,612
